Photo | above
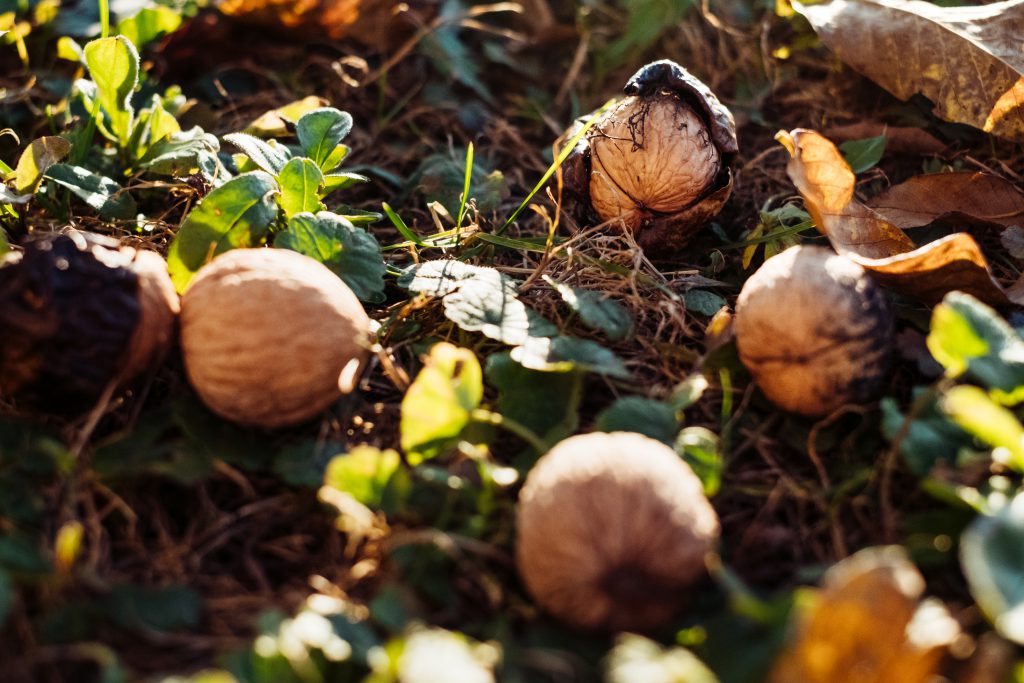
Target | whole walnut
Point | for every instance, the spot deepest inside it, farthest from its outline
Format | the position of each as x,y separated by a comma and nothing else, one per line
814,330
271,337
80,315
612,531
658,161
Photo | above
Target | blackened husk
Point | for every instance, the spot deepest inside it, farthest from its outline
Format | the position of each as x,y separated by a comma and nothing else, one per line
66,319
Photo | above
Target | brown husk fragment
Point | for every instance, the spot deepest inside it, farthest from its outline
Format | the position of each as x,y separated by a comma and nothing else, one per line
613,530
77,313
660,160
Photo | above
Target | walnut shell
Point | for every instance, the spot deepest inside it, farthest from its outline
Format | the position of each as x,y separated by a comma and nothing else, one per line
612,531
814,330
79,312
271,337
659,160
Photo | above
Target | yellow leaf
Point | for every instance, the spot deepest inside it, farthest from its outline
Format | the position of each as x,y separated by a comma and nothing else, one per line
40,155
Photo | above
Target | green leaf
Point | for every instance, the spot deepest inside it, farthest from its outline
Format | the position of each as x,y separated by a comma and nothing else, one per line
149,24
979,415
486,305
4,246
931,437
991,555
641,415
159,609
339,181
236,214
439,403
304,463
69,49
6,596
114,67
268,156
37,158
300,181
364,473
703,302
559,354
320,131
441,178
701,449
864,154
969,337
438,278
182,154
99,192
689,391
596,310
547,403
350,252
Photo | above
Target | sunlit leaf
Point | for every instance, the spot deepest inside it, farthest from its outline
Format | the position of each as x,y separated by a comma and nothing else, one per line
439,403
274,123
320,131
364,473
977,414
236,214
351,252
182,154
114,68
924,199
559,354
635,658
701,449
267,156
300,181
149,24
37,158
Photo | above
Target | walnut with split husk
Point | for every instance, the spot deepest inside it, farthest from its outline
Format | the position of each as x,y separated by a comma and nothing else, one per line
658,161
80,315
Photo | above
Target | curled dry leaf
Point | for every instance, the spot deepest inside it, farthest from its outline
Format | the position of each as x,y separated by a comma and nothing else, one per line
966,195
967,60
863,235
868,624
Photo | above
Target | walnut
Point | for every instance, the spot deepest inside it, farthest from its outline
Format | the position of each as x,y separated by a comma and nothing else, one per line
80,315
271,337
814,330
658,161
613,530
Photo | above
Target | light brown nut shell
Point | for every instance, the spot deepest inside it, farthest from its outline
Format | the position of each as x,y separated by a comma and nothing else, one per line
612,531
159,307
650,155
814,330
271,337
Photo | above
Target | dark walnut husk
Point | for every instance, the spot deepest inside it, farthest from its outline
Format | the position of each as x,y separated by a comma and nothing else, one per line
658,164
815,331
613,531
79,315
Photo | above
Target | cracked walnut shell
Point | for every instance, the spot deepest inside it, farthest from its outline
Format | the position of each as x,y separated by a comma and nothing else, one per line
612,531
271,337
814,330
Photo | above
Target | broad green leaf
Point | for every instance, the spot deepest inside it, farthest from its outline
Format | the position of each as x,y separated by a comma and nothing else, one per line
114,67
236,214
149,24
930,438
701,449
182,153
862,155
320,131
99,192
641,415
153,124
351,252
358,216
545,402
486,305
364,473
703,302
268,156
339,181
440,401
977,414
969,337
69,49
991,555
300,181
559,354
37,158
438,278
597,311
6,596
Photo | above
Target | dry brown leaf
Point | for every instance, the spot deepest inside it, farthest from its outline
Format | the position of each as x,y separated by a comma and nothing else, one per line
826,183
867,624
967,60
926,198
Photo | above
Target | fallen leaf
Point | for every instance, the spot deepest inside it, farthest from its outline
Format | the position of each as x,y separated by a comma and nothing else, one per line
867,624
1012,240
860,233
926,198
967,60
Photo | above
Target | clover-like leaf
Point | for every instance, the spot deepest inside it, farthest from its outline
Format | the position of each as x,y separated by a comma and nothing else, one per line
350,252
